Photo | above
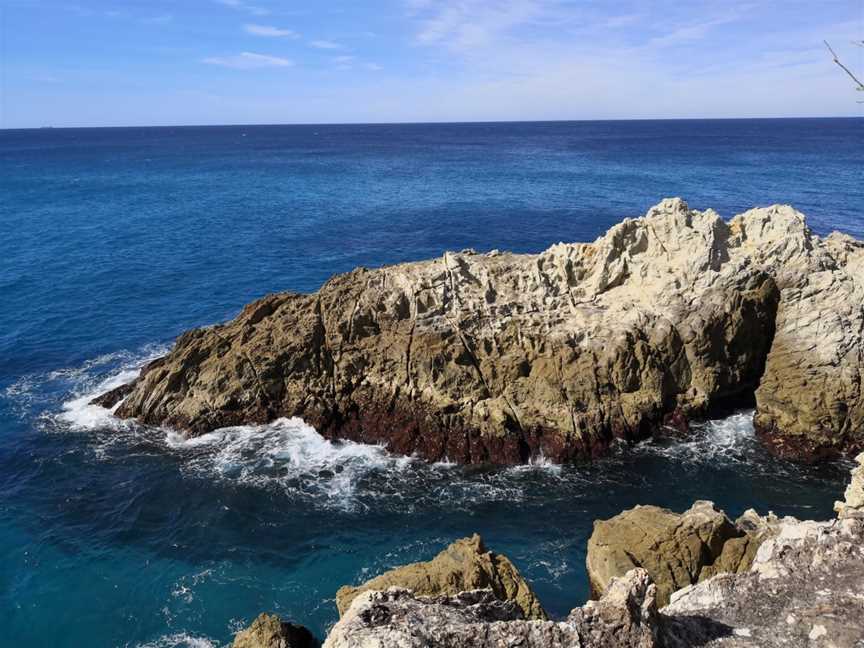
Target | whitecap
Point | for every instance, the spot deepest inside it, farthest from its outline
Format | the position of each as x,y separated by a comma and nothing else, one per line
81,414
179,640
287,453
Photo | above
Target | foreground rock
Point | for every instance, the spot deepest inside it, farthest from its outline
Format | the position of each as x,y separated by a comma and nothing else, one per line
463,566
804,588
498,357
626,616
269,631
675,549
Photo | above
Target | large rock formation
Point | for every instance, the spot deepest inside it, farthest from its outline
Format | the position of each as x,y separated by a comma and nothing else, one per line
464,565
675,549
498,357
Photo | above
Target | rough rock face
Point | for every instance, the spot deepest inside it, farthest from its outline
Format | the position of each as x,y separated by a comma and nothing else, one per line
675,549
498,357
810,401
626,618
804,589
464,565
269,631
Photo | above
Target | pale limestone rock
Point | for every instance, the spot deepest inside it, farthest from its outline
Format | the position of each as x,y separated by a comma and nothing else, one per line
853,502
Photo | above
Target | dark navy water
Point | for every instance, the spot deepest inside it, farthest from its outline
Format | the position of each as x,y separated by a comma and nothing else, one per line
113,241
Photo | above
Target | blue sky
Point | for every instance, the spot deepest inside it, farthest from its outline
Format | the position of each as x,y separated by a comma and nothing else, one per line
92,63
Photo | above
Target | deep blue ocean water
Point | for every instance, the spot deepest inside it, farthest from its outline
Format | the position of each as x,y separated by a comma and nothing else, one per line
114,241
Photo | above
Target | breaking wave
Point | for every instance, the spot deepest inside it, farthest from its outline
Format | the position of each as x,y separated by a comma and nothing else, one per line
289,456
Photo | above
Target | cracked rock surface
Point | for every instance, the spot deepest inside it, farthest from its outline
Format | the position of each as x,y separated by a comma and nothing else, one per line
500,357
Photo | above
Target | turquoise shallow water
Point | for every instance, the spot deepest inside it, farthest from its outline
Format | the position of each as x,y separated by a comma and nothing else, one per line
116,240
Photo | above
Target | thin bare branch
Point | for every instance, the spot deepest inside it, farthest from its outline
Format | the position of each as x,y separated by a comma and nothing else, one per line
845,69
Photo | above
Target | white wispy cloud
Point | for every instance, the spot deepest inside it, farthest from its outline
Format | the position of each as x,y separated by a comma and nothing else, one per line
325,44
623,20
240,5
248,61
343,59
469,24
158,20
693,31
373,67
270,31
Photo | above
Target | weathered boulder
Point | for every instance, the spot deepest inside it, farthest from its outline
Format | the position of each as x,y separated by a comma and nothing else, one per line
396,618
675,549
464,565
269,631
626,615
499,357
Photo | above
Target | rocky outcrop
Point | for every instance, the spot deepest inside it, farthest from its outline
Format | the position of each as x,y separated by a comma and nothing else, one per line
499,357
675,549
269,631
803,589
626,618
810,402
464,565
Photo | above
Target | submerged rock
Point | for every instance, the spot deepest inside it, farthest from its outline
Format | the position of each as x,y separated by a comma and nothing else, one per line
269,631
464,565
500,357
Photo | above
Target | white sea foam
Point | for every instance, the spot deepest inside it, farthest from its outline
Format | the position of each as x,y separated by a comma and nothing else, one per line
728,439
288,453
180,640
81,415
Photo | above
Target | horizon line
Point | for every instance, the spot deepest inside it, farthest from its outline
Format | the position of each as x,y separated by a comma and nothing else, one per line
429,123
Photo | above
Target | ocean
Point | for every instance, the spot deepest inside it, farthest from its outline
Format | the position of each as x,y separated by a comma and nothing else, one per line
114,241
